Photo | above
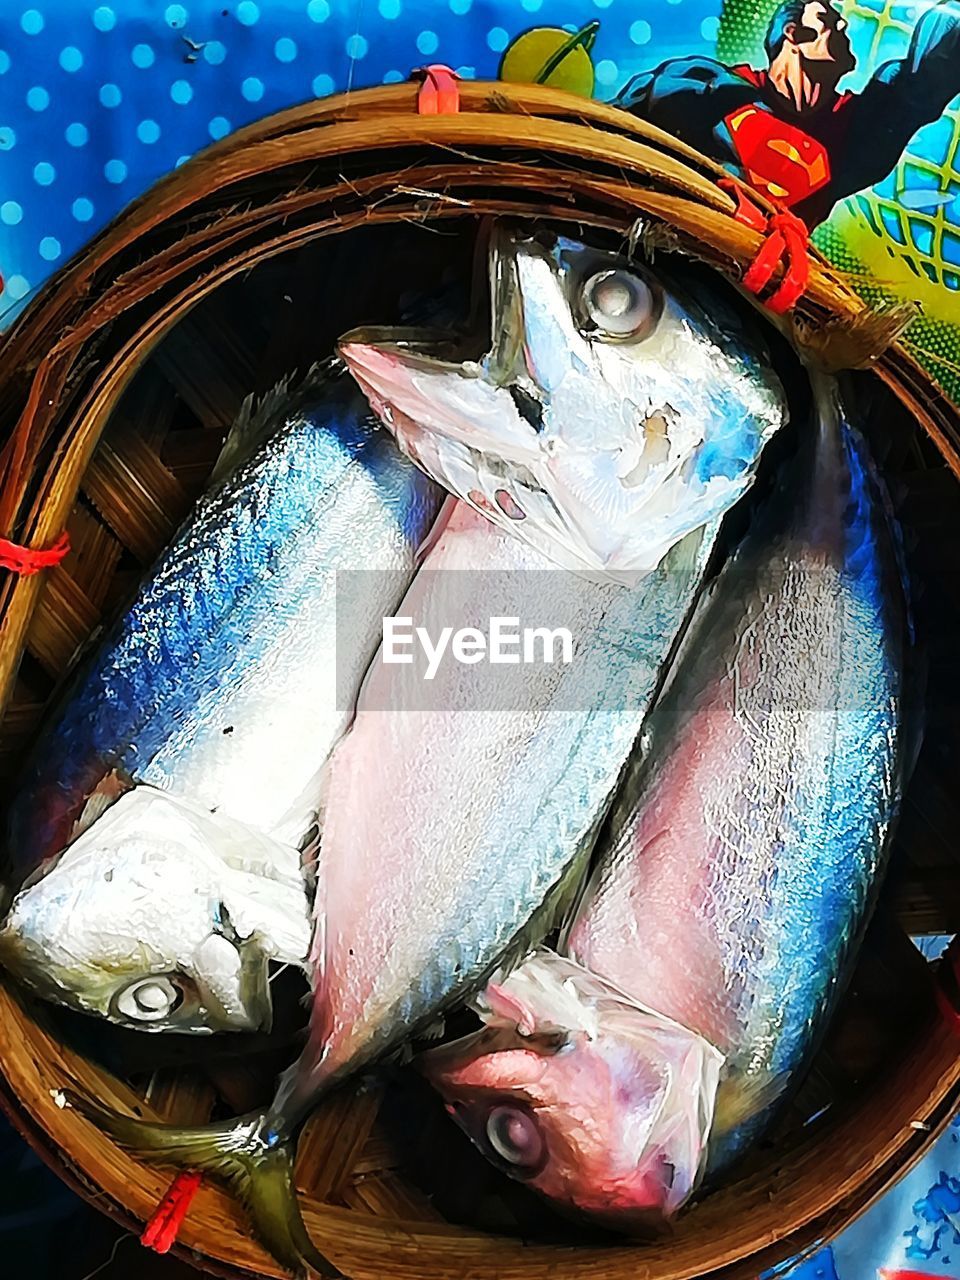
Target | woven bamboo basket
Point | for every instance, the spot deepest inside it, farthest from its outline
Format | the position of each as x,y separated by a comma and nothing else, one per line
116,387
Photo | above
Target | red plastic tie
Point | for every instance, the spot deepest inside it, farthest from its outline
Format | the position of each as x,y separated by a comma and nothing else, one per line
25,561
786,240
439,91
160,1233
750,214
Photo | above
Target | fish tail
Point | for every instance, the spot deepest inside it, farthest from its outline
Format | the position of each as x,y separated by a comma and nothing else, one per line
246,1156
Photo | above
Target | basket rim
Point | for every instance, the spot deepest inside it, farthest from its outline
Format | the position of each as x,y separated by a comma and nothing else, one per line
67,361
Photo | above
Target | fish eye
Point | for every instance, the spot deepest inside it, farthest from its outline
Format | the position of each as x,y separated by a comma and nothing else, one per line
149,999
515,1137
620,304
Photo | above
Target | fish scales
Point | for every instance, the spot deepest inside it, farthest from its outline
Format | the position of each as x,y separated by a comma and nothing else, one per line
210,712
548,762
231,636
735,876
791,680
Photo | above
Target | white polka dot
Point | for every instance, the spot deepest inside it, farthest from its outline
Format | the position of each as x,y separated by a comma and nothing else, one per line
71,59
607,71
115,171
181,91
110,95
428,42
8,138
82,209
603,4
214,52
393,77
390,9
218,127
148,131
248,13
4,62
356,46
32,22
640,32
460,7
497,39
181,160
532,6
37,98
252,89
16,287
50,249
175,15
318,10
322,86
77,134
467,73
710,28
285,50
142,56
10,213
44,173
104,19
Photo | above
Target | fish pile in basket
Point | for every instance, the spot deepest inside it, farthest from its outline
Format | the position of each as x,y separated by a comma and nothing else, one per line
640,840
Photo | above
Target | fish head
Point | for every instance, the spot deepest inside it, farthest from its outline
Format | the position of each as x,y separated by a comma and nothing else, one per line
616,409
601,1106
144,921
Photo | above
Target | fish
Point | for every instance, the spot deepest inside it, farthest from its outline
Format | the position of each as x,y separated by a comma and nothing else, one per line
460,810
615,404
458,816
489,789
735,878
156,838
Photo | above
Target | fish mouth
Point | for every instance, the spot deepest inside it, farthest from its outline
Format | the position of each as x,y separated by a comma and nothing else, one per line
459,405
423,348
495,355
375,357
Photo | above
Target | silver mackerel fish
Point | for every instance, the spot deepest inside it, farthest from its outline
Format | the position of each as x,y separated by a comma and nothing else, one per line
156,839
742,857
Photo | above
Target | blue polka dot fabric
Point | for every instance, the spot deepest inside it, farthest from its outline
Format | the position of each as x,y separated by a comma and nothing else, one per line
97,101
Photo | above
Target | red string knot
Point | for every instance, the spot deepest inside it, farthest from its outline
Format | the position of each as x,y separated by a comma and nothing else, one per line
439,91
160,1233
786,241
26,560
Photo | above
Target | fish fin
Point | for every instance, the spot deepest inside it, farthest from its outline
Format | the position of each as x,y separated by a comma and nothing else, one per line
506,1008
258,417
110,788
435,1030
238,1154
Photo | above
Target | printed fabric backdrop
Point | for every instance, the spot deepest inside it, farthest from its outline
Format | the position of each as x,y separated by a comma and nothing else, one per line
98,100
